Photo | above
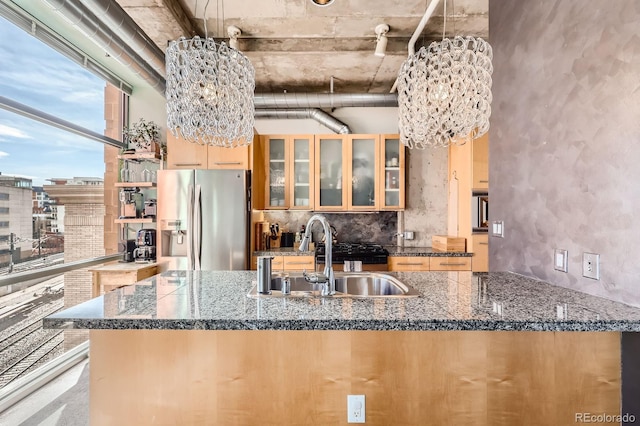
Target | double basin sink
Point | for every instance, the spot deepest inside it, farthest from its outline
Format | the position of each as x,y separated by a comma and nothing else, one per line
348,284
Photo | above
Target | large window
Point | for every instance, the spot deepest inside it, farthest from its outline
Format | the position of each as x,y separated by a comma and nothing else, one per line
36,154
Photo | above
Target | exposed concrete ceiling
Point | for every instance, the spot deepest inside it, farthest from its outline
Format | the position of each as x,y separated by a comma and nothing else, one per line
296,46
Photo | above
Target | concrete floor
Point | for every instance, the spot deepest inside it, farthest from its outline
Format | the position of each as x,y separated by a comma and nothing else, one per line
64,401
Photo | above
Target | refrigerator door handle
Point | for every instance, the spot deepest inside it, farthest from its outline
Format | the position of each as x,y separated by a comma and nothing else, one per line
190,228
197,218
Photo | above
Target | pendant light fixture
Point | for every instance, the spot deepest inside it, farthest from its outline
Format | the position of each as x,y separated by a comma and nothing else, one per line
210,89
444,92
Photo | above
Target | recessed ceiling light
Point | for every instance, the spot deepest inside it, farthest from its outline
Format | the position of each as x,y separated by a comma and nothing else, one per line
322,3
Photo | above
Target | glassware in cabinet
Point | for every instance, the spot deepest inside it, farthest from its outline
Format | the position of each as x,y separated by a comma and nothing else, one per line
393,158
363,172
330,174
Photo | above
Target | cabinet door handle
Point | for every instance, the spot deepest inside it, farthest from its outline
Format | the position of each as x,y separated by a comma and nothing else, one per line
452,264
187,164
227,163
300,263
410,263
483,181
484,244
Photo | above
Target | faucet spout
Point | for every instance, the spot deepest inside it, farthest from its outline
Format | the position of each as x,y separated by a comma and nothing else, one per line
328,267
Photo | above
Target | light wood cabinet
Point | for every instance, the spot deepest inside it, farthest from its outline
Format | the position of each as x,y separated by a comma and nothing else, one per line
332,157
287,172
480,162
392,173
228,158
299,263
468,174
480,250
408,263
454,263
288,263
362,167
185,155
360,172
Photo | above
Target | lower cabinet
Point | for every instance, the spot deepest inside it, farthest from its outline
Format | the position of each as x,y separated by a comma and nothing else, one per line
480,250
299,263
429,263
454,263
408,263
288,263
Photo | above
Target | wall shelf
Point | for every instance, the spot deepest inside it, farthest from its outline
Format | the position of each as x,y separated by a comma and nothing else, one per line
135,184
140,156
136,220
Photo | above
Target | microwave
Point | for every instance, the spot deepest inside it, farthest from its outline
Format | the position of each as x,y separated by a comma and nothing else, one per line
480,212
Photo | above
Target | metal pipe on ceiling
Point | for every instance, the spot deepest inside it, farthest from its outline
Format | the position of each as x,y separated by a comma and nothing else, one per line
411,47
118,21
324,100
96,30
317,114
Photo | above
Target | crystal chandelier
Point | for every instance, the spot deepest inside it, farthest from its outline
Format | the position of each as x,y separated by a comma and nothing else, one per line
210,89
444,92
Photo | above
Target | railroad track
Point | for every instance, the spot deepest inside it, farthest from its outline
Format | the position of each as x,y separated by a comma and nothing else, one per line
28,329
31,359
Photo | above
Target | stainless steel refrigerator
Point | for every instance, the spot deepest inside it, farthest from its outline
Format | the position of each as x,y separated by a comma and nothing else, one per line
203,219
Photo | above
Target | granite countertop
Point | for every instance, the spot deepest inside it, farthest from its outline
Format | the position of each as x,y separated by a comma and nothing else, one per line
283,251
424,251
215,300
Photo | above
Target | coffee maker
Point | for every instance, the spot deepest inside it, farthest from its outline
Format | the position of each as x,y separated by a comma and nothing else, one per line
127,247
131,203
145,251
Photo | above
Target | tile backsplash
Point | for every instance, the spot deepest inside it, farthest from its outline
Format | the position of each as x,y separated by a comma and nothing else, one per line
379,228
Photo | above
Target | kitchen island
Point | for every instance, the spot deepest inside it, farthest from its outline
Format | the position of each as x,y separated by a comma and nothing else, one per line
189,347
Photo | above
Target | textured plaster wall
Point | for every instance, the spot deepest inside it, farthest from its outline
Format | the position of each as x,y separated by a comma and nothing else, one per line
565,153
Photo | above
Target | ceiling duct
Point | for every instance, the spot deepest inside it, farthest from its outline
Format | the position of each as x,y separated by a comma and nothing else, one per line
317,114
324,100
118,21
100,33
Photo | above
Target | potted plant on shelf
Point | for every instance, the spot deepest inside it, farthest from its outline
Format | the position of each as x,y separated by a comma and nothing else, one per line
143,136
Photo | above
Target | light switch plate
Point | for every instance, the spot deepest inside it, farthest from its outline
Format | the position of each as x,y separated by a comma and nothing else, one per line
560,260
497,229
591,265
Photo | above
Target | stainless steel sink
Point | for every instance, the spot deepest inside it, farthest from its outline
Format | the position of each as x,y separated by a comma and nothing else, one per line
348,284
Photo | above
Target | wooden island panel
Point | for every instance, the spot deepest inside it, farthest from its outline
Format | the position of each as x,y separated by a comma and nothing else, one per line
303,377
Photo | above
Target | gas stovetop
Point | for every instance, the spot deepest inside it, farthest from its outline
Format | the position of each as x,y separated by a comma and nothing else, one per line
367,253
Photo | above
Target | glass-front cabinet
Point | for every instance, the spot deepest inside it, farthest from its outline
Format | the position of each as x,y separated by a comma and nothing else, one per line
392,155
289,183
363,176
330,176
301,181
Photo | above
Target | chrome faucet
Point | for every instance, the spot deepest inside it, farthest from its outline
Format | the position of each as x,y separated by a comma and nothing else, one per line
327,278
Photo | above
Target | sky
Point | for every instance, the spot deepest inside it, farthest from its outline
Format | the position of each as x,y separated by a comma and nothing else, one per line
36,75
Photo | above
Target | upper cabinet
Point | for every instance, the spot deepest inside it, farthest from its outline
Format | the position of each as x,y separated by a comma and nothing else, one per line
362,165
392,173
187,155
480,157
288,165
329,172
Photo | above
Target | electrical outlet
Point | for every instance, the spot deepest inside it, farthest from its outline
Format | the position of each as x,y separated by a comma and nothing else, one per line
560,260
408,235
591,265
355,409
